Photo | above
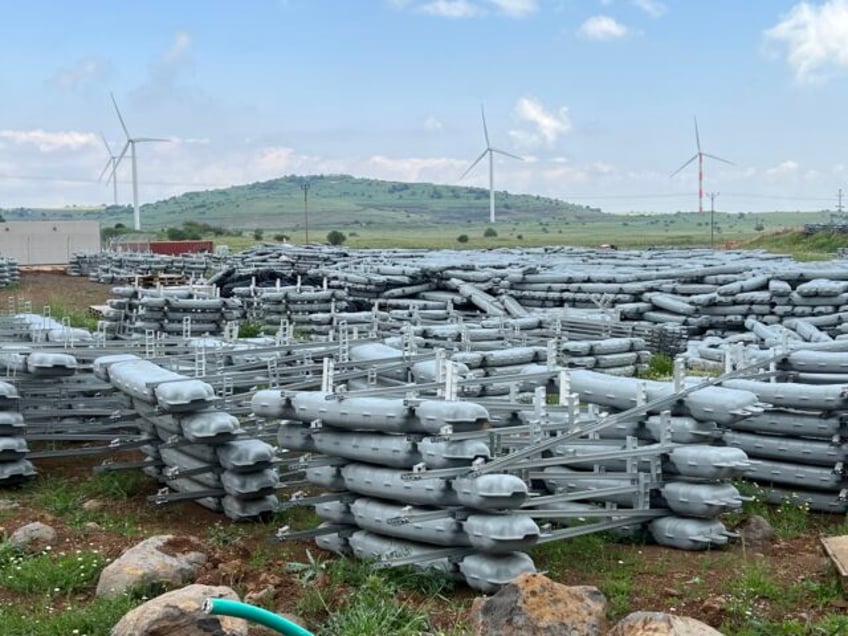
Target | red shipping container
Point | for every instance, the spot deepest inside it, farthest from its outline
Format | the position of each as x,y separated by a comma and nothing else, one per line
180,247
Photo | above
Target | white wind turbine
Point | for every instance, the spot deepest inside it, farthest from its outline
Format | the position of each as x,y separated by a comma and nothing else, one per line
490,151
131,142
111,165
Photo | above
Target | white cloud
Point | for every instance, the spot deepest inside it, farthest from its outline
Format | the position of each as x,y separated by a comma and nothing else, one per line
414,169
49,141
467,8
450,9
603,167
433,124
162,81
815,39
179,48
548,126
603,28
652,7
87,71
783,169
516,8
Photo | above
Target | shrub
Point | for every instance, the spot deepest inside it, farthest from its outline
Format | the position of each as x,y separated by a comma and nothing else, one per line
258,234
281,238
335,237
462,238
490,232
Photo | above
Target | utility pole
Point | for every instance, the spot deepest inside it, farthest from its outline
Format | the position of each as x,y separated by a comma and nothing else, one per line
839,202
712,196
305,187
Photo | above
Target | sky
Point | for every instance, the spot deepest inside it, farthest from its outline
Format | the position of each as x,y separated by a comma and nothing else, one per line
598,97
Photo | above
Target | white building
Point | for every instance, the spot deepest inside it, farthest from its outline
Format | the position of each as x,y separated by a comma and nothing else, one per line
48,242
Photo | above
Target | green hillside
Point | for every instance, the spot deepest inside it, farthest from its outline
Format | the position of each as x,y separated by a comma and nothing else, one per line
335,201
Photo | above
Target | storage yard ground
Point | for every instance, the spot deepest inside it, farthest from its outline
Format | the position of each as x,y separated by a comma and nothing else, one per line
787,586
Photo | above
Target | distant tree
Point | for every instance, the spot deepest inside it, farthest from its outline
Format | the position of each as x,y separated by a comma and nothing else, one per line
258,234
334,237
462,238
759,227
490,232
281,238
176,234
520,237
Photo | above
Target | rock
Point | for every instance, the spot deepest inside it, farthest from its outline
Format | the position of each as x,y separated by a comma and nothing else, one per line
534,605
713,609
159,560
661,624
260,597
756,530
33,536
180,613
91,527
93,505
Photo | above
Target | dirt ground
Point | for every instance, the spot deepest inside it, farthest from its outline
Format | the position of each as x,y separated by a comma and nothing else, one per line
57,290
659,579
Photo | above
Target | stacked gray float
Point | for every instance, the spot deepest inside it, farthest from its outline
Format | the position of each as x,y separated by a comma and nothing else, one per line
194,448
182,311
9,272
123,267
14,466
369,451
309,309
693,483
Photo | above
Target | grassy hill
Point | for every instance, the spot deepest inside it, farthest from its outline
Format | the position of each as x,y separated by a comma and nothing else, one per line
382,214
335,202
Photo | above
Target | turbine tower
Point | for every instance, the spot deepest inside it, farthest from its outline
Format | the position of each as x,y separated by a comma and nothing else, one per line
490,151
130,145
111,165
700,157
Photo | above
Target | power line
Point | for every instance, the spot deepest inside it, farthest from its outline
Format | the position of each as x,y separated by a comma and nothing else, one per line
750,195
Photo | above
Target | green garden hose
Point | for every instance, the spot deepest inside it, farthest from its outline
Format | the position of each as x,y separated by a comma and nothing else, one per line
237,609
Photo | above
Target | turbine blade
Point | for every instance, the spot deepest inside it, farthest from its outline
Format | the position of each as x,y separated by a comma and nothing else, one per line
684,165
120,157
105,168
697,135
706,154
143,139
485,128
476,161
106,143
120,118
508,154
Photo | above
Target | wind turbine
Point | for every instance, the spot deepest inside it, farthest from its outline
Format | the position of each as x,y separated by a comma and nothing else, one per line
700,157
130,145
491,152
111,165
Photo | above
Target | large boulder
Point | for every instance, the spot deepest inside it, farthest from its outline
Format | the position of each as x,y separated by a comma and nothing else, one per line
180,613
534,605
33,536
661,624
160,560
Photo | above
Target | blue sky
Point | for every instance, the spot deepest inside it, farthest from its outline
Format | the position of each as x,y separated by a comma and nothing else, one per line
597,96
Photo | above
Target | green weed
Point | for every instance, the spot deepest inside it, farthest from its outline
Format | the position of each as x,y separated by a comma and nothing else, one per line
49,573
374,609
95,618
221,534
